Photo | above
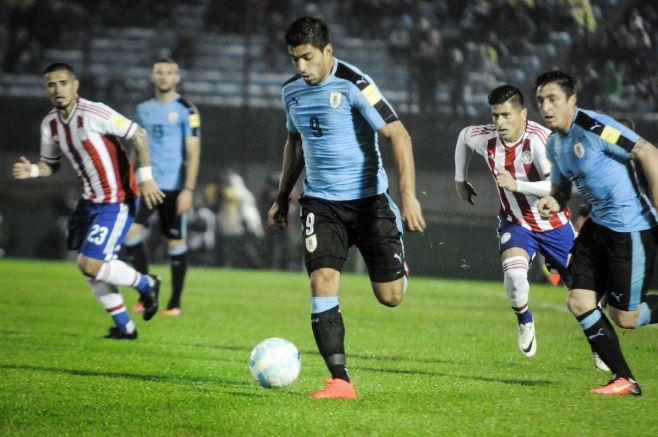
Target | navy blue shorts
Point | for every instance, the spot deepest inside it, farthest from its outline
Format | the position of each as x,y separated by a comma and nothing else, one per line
97,230
554,245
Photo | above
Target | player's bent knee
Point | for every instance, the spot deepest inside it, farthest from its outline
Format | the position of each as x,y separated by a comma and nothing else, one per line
390,294
577,305
89,266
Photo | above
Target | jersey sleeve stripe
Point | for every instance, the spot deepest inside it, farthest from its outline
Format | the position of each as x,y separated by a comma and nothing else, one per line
607,133
385,111
193,117
369,90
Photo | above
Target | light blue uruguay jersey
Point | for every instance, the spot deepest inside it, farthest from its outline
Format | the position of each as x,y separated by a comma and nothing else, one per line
338,120
595,156
168,126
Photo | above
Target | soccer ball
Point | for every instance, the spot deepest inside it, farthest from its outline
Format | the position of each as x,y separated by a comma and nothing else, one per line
274,363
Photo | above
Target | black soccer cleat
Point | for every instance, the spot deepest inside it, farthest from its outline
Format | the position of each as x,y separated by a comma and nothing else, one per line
150,299
117,334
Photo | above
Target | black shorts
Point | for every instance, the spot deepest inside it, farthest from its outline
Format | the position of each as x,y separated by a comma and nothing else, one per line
373,224
172,225
618,264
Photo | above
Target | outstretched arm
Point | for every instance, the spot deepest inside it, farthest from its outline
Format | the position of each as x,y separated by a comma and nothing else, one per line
463,154
293,164
24,169
556,201
149,189
412,214
505,180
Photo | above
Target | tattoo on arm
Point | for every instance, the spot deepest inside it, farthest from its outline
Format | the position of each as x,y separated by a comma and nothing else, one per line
140,145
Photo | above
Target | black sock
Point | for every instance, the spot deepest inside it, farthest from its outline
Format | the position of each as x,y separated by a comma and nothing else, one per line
329,333
137,255
178,270
652,302
604,341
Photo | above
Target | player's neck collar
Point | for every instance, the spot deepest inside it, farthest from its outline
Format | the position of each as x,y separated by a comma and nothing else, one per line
68,118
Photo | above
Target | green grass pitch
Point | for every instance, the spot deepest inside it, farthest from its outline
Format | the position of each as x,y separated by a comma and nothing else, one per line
443,363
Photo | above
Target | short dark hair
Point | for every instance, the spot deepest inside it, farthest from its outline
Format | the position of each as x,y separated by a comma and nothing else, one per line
308,30
56,66
504,93
562,79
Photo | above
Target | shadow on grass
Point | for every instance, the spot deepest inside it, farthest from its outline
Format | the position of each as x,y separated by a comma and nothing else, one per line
523,382
140,377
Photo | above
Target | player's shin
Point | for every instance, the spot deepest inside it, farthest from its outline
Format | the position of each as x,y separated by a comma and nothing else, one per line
515,272
108,295
117,272
329,333
136,254
178,259
604,341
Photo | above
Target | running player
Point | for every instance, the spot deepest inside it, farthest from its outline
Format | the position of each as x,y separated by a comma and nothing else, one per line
615,249
90,134
335,114
173,127
514,149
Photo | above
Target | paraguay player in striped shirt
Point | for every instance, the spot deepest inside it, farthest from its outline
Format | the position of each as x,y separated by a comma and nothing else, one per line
335,115
617,172
514,150
90,134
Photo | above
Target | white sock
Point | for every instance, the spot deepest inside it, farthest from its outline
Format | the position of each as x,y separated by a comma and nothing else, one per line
117,272
515,271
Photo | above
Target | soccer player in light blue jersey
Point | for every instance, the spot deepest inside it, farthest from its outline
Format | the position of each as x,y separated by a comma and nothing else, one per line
173,127
617,172
335,115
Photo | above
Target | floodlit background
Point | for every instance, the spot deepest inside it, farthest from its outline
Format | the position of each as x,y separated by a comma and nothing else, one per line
435,61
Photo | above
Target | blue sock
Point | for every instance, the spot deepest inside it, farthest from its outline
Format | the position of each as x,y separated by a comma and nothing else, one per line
321,304
144,284
122,320
524,317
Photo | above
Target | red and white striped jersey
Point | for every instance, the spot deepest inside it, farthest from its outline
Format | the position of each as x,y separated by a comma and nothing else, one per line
526,161
90,138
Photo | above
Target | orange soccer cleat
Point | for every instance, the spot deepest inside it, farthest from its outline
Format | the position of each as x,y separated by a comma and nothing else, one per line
175,312
138,308
619,386
336,389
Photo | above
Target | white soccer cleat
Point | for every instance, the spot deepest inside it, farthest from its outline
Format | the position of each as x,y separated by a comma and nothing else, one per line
526,339
599,364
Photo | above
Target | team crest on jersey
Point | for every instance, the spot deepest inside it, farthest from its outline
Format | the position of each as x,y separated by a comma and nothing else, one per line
311,243
172,117
526,157
579,150
505,237
334,99
82,134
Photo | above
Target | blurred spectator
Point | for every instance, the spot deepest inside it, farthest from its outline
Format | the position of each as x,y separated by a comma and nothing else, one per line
279,249
88,85
184,51
201,229
239,223
427,45
611,85
116,90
